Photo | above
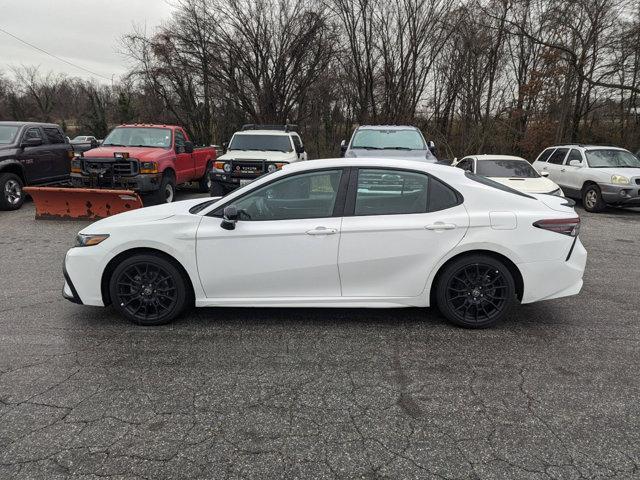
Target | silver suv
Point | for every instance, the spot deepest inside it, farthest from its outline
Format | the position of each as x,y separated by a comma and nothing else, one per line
597,175
389,141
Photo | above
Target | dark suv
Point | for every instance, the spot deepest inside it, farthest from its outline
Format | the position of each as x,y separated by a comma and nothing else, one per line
30,154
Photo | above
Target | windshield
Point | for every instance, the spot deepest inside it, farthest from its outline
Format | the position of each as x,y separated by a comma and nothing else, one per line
506,168
270,143
612,158
388,140
7,134
139,137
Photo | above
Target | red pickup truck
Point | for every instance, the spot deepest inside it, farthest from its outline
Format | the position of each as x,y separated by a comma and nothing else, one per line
149,159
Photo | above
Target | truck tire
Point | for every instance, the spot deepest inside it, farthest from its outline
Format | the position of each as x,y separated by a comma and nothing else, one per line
205,181
217,189
166,193
592,199
11,193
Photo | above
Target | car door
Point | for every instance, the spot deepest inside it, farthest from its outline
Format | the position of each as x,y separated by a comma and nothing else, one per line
185,165
37,159
398,224
60,152
554,164
284,245
569,176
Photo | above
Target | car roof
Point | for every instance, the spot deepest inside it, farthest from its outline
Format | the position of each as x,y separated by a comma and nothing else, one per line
146,125
25,124
495,157
263,132
387,127
374,163
588,147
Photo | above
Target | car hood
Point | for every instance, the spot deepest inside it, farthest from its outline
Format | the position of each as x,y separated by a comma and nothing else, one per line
627,172
143,215
259,155
528,185
425,155
146,154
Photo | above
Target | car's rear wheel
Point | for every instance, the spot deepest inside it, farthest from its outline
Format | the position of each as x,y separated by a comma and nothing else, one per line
475,291
11,193
148,289
592,199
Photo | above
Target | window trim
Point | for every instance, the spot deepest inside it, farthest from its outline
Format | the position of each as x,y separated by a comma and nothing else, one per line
338,207
350,204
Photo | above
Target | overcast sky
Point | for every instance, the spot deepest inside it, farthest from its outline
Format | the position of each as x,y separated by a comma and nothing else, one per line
84,32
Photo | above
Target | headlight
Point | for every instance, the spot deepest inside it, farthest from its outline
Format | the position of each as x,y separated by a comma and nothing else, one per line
619,180
85,240
148,167
272,168
227,167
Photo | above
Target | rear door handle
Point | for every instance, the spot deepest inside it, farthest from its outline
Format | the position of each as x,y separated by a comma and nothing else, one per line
441,226
322,231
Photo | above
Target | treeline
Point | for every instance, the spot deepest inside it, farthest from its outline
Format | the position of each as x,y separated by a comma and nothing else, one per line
502,76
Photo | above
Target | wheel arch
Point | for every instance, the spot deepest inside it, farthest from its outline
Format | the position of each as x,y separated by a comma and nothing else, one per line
513,269
15,167
588,183
113,263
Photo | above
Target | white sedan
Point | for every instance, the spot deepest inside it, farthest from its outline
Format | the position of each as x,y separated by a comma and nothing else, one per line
514,172
336,233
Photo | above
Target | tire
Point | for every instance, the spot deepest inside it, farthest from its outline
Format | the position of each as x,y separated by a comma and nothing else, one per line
475,291
166,193
204,185
592,199
147,289
217,189
11,193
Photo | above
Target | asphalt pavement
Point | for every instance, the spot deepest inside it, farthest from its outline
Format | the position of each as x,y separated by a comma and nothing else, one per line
553,393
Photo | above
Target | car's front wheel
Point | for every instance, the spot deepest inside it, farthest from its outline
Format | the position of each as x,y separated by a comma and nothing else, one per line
148,289
475,291
11,193
592,199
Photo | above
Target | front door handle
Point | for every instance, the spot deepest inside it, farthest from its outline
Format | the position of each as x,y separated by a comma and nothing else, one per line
322,231
563,169
440,226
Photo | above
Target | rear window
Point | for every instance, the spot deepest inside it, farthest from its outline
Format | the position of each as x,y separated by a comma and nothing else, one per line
498,186
506,169
54,135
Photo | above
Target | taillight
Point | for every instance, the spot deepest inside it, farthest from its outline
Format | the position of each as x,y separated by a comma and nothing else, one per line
565,226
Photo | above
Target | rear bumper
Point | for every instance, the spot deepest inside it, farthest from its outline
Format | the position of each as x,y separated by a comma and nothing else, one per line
623,195
141,183
555,278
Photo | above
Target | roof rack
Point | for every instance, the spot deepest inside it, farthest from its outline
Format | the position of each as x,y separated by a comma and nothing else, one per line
285,128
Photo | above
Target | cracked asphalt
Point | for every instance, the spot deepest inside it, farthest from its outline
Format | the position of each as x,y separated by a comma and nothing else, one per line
307,393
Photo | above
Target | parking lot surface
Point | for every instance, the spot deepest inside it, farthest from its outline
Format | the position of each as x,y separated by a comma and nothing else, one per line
311,393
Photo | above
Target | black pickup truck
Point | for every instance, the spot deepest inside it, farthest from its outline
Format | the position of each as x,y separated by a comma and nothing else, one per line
31,154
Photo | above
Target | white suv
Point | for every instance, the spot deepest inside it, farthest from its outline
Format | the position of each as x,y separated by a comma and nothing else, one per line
252,152
597,175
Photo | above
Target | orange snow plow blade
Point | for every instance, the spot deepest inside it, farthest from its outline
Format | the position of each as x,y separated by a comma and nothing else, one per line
60,203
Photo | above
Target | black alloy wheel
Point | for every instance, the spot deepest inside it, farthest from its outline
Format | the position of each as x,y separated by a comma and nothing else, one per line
476,292
148,290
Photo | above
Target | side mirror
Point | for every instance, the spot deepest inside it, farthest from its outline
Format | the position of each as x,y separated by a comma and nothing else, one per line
343,147
31,142
544,174
188,147
432,148
225,146
575,163
230,216
94,143
300,149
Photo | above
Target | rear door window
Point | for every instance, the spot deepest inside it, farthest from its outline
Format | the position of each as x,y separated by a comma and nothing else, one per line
391,192
557,158
53,135
544,156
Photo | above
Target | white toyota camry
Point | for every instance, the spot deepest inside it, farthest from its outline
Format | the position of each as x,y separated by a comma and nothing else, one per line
336,233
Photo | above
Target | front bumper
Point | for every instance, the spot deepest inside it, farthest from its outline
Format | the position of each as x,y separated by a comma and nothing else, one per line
141,183
69,290
82,269
623,195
